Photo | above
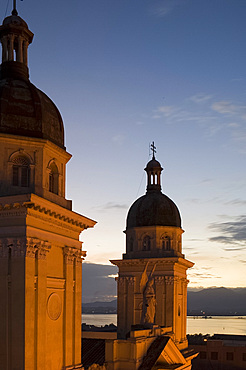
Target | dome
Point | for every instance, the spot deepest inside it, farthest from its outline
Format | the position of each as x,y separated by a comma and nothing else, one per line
24,109
153,164
153,209
14,20
27,111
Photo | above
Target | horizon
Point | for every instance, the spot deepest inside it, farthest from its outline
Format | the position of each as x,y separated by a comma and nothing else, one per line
125,74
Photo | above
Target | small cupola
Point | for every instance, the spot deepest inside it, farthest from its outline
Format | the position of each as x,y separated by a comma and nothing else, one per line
15,38
153,170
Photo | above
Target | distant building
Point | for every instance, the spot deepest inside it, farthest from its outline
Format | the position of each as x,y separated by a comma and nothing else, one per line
219,352
40,251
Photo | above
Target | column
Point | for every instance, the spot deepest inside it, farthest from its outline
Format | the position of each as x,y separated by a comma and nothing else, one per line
4,49
19,51
160,304
25,46
17,304
41,299
77,307
4,259
130,302
169,307
121,307
11,48
68,306
31,248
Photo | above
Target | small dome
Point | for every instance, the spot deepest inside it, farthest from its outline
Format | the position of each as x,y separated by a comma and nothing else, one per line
14,20
27,111
153,209
153,164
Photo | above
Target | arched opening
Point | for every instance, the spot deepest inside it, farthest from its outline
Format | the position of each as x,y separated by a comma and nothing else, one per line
146,243
53,178
166,243
21,172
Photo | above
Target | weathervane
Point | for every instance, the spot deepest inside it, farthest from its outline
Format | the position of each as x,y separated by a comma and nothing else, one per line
153,148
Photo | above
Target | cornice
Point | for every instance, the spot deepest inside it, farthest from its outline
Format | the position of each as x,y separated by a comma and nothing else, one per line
38,205
158,261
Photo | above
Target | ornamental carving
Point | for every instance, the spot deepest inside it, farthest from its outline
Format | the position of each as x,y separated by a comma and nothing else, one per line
169,280
73,254
121,280
130,280
159,280
54,306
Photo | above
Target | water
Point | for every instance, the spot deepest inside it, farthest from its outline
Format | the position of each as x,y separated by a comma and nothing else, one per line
216,324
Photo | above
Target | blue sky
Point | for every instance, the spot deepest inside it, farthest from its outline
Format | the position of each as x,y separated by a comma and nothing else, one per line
126,72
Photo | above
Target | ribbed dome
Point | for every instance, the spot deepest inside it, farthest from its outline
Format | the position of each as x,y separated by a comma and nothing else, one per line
27,111
153,209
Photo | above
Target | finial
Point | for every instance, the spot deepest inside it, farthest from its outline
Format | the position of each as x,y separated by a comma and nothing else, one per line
153,148
14,11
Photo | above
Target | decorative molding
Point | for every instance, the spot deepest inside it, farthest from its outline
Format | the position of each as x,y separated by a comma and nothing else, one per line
130,280
54,306
56,283
159,280
121,280
169,280
72,254
36,207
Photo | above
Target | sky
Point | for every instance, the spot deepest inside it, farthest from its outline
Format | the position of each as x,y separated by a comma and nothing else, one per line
124,73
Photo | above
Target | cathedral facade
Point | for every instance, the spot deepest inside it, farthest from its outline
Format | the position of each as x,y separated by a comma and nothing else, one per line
40,251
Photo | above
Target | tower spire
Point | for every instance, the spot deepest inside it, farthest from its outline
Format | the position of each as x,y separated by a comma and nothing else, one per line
14,11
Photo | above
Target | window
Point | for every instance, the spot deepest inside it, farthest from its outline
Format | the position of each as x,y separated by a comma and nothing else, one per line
146,243
53,178
203,355
21,172
229,356
166,243
214,355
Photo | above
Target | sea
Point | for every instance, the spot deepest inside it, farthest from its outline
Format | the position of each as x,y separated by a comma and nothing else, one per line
195,324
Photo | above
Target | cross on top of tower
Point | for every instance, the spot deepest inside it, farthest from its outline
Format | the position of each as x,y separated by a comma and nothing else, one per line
153,149
14,11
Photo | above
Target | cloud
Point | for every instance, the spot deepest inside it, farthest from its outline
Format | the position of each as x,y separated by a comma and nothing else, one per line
200,98
164,7
237,202
111,205
166,110
231,233
224,107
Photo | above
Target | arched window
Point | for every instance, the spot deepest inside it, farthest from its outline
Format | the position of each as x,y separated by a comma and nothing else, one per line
146,243
53,178
21,171
166,243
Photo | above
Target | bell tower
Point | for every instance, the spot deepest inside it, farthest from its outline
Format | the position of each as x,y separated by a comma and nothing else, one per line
40,252
152,280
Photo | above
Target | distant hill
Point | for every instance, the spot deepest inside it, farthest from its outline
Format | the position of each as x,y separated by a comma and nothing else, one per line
100,307
212,301
217,301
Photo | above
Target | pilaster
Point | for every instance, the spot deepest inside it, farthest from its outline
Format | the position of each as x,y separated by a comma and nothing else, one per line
41,298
